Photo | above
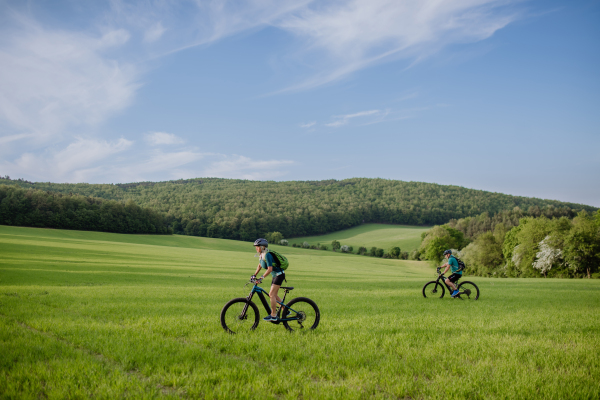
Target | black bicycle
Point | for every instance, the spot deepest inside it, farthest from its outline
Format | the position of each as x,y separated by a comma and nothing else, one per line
466,290
241,314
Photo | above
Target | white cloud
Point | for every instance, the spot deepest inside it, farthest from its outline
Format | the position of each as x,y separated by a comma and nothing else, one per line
341,120
52,79
346,36
308,125
70,164
154,33
241,167
158,138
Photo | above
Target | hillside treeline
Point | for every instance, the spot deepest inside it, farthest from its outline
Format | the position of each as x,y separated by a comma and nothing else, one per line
245,210
533,246
38,208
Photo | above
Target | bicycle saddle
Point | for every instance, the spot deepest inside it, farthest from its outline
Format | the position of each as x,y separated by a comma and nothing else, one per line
287,288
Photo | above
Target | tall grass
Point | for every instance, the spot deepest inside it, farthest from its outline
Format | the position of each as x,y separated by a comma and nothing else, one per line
86,314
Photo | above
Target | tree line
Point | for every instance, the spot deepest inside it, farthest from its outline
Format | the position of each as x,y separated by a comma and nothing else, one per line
532,246
244,210
44,209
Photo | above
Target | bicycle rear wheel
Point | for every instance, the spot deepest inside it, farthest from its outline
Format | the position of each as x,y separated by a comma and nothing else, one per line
305,310
239,315
468,291
433,289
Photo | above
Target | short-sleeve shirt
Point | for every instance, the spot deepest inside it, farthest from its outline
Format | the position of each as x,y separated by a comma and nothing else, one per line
269,262
454,265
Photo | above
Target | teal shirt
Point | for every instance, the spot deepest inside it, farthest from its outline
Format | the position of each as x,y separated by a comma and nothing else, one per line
454,265
268,262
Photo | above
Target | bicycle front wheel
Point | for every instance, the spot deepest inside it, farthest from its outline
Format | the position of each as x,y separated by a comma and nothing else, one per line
239,315
468,291
306,312
433,289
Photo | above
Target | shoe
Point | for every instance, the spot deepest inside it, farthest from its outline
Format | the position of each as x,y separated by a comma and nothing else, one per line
270,318
454,294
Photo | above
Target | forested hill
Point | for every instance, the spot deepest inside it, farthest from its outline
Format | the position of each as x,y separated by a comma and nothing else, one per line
241,209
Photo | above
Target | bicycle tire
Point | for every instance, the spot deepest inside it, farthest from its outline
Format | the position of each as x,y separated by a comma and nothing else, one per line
471,291
231,319
432,290
303,306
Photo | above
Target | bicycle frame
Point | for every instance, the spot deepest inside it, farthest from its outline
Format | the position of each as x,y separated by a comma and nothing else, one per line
261,294
443,278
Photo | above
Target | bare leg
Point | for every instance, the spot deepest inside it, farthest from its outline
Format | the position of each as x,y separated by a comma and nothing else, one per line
452,285
274,299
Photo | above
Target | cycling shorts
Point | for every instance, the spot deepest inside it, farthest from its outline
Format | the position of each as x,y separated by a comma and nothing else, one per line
278,280
454,277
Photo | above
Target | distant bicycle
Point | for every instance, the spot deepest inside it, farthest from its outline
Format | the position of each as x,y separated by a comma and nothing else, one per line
466,290
241,314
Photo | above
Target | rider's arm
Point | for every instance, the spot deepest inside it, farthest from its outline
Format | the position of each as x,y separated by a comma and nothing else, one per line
267,273
257,270
447,267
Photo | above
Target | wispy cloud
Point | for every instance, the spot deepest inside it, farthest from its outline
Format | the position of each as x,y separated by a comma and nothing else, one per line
242,167
346,36
158,138
70,164
51,79
341,120
308,125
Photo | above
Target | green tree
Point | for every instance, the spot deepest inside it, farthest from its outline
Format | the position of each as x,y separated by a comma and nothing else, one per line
395,252
582,245
335,245
484,256
440,238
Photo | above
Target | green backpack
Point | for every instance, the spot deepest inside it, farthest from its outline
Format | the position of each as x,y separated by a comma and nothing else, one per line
280,260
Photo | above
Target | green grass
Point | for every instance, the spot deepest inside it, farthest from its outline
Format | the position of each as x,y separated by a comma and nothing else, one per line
382,236
85,314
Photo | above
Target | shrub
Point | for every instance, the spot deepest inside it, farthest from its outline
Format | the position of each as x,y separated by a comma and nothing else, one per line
335,245
283,242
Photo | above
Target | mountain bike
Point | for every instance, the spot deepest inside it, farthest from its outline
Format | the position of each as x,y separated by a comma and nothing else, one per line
241,314
466,290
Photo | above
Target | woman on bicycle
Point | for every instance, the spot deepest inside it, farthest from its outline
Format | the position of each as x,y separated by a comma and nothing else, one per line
456,272
267,262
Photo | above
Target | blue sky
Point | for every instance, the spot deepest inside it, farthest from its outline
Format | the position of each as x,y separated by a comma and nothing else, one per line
497,95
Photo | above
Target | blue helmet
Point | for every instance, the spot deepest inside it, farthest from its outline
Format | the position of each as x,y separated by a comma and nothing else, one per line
447,252
261,242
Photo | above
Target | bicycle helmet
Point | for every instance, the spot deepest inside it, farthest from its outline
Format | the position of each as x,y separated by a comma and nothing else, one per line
447,252
261,242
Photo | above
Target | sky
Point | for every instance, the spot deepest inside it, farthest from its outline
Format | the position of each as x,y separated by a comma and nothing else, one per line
497,95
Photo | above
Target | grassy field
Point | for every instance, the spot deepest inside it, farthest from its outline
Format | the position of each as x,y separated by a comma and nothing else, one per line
383,236
85,314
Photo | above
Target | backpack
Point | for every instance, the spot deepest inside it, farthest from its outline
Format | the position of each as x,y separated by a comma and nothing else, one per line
461,264
280,260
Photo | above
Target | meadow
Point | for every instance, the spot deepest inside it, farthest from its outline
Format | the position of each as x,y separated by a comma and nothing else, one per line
384,236
89,314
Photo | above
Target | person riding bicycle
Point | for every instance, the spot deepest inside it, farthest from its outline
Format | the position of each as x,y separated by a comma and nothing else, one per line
267,262
456,272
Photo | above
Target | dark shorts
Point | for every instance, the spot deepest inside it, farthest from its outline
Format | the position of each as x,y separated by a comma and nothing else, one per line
454,277
278,280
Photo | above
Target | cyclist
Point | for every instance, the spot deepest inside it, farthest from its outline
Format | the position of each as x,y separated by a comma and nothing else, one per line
456,273
267,262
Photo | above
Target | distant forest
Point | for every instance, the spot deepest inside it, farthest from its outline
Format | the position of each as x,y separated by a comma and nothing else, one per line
245,210
514,244
43,209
